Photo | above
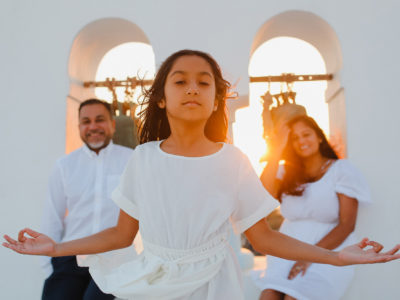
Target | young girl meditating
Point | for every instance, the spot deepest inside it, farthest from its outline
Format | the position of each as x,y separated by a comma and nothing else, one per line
183,188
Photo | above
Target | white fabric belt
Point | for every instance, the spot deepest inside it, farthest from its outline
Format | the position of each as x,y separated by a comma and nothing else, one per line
174,258
188,255
160,272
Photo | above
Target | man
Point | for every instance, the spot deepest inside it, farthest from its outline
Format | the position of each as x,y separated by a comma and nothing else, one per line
79,200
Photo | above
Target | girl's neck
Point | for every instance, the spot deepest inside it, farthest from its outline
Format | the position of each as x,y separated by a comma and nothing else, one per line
192,145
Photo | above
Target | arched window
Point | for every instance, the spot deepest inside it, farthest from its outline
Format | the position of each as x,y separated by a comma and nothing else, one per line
301,43
133,59
110,47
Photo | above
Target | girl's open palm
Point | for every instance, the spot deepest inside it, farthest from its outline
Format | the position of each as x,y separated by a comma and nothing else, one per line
356,254
36,244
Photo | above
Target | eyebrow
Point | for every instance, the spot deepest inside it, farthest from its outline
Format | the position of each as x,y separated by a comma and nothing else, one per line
97,116
183,73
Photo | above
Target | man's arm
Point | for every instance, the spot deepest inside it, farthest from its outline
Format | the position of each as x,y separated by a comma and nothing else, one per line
54,212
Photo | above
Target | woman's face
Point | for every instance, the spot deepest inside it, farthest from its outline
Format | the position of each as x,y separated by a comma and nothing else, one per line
189,90
304,140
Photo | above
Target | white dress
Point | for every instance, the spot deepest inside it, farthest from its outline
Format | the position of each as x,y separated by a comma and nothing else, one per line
309,218
185,207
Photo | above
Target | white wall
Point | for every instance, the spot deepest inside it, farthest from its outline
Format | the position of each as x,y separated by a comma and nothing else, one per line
36,37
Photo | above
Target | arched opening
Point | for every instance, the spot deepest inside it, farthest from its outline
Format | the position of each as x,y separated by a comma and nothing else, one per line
92,50
301,43
275,57
133,59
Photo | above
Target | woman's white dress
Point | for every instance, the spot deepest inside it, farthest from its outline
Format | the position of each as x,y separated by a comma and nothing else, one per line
309,218
186,207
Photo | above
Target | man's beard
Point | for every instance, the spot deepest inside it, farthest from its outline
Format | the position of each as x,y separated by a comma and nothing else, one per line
100,144
97,145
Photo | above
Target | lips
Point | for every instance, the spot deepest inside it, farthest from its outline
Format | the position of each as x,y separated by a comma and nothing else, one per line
191,103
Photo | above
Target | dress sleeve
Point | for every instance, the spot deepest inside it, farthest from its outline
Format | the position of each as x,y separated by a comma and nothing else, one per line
253,202
124,194
350,182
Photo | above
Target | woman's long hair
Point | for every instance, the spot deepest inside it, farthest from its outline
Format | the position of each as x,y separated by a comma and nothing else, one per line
153,121
294,178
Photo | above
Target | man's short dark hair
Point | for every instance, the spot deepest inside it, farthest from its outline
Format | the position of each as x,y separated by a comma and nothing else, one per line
96,101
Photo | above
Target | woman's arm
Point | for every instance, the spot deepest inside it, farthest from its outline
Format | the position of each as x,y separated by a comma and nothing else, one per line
267,241
268,176
334,238
119,236
347,221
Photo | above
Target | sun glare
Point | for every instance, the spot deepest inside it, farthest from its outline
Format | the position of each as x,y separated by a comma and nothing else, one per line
126,60
277,56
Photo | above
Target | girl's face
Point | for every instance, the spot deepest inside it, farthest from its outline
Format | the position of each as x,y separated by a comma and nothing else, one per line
189,90
305,140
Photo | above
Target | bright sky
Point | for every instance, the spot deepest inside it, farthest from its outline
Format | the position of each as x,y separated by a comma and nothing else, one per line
129,59
277,56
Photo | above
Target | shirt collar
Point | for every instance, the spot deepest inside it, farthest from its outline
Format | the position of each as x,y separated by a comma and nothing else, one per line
102,152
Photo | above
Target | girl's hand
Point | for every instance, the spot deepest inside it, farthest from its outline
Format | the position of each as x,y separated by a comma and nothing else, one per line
39,244
299,267
356,254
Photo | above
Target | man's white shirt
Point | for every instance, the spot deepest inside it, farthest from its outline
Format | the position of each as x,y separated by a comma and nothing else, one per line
79,194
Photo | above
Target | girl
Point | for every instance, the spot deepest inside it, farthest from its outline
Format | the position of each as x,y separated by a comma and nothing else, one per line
183,187
319,197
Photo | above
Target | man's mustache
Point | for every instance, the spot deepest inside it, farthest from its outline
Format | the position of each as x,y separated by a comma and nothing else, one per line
95,131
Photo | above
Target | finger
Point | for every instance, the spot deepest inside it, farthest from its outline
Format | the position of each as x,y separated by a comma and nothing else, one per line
32,233
381,258
10,240
293,272
393,257
375,245
21,236
16,248
386,258
363,243
393,251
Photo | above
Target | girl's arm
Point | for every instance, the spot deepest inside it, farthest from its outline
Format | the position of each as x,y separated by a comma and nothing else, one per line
267,241
268,176
119,236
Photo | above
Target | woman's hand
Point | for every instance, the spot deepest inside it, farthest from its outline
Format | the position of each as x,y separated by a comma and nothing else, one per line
39,244
280,138
356,254
299,267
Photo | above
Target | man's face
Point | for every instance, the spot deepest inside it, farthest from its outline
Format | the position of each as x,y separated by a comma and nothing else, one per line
96,127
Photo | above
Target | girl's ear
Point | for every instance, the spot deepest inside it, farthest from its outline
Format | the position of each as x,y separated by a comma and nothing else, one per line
161,104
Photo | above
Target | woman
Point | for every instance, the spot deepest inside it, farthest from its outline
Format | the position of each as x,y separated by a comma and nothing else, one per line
319,196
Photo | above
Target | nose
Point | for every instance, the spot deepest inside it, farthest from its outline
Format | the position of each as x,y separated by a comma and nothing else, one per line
92,125
192,90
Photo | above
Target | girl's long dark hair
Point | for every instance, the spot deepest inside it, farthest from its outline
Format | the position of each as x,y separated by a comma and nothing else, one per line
153,121
294,179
